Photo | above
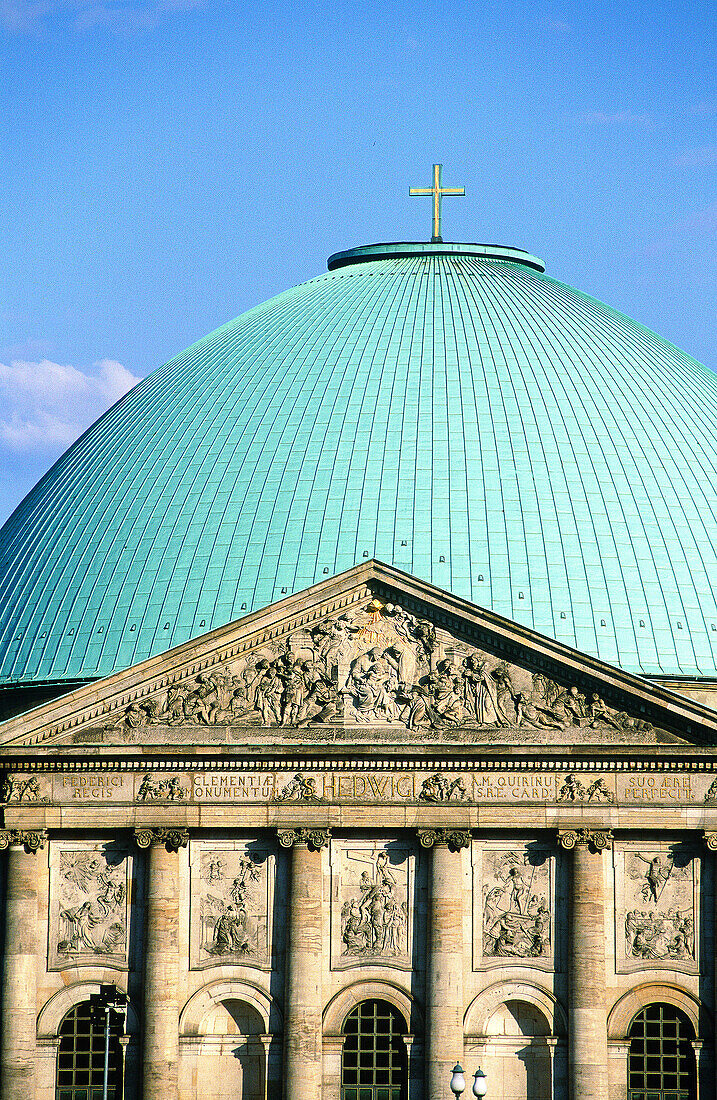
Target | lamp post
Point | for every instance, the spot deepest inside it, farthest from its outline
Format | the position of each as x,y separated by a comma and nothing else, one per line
458,1081
109,999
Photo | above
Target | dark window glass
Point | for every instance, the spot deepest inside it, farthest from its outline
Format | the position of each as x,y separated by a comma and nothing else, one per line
662,1061
81,1057
374,1058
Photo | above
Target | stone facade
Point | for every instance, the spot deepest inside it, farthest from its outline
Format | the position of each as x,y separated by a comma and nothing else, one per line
371,792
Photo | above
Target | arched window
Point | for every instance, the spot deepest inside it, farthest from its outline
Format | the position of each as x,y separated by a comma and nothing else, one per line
662,1060
374,1063
81,1056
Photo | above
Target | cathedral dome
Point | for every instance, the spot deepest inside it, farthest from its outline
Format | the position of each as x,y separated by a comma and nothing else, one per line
446,408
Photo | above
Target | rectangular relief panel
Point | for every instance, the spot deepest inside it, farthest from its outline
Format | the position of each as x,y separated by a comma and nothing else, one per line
90,895
656,906
372,903
231,903
513,904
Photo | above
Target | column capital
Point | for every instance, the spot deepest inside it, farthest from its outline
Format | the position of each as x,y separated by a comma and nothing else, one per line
595,840
33,839
314,837
172,838
710,840
455,839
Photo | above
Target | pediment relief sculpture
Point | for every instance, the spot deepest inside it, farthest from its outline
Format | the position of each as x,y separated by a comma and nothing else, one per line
376,664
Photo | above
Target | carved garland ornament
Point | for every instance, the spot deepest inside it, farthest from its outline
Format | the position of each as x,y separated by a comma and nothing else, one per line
33,839
596,840
174,839
315,838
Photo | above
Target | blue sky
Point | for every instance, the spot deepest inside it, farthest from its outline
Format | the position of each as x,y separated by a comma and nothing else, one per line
170,163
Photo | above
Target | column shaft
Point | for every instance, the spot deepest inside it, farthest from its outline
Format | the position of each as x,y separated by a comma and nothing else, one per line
19,977
444,996
586,971
304,965
161,975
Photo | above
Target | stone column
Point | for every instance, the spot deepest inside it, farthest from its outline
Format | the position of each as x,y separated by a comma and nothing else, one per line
587,1022
18,1055
444,970
160,1014
303,1000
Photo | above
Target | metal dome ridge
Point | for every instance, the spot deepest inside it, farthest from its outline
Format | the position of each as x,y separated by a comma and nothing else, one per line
395,249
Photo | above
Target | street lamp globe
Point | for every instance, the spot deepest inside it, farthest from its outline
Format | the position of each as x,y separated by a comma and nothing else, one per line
458,1081
479,1083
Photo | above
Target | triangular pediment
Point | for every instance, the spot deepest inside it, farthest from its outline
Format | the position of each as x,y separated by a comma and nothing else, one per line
371,656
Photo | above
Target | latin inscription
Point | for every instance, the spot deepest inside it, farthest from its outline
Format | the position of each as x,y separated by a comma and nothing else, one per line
656,788
424,787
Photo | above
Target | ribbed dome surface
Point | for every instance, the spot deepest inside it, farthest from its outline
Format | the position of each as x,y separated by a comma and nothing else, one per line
465,418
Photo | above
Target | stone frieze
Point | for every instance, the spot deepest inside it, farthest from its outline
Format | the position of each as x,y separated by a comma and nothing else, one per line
458,786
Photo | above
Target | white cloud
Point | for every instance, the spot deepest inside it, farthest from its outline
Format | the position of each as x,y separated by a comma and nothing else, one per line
120,16
47,405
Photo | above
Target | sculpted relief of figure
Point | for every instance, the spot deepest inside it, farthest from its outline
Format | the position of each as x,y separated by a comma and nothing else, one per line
89,915
516,905
15,789
374,911
659,917
155,790
376,664
438,789
229,906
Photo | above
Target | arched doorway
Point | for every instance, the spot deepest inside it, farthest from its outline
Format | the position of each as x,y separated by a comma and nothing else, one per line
232,1057
374,1062
661,1063
519,1053
81,1056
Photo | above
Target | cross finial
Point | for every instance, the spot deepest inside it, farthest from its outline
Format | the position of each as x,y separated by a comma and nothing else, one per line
438,192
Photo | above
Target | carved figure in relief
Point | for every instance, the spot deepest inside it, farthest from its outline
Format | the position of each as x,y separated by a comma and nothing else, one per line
229,905
92,910
599,791
711,795
516,913
301,788
170,789
437,789
659,920
375,664
572,789
373,922
21,790
656,876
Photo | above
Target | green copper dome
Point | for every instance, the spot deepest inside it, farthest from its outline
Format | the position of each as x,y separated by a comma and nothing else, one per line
446,408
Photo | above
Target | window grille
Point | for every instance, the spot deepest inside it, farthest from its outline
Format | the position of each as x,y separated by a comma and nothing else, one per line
662,1060
81,1057
374,1063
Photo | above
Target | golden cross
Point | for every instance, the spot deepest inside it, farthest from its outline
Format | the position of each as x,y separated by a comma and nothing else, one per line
438,192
